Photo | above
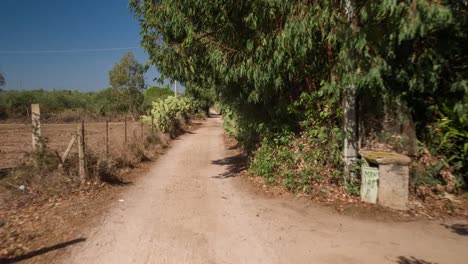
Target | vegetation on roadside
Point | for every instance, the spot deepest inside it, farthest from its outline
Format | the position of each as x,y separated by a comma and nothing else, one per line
282,68
171,114
153,94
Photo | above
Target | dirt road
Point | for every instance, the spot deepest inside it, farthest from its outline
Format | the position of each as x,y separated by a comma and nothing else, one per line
188,209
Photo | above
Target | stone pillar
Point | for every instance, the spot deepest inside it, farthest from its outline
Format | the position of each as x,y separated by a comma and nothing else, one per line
393,186
393,178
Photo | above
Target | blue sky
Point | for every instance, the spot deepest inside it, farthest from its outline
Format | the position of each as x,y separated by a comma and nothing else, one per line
33,25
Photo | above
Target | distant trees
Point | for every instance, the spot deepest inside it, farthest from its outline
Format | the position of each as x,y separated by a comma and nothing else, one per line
126,77
2,81
16,104
153,93
106,102
109,101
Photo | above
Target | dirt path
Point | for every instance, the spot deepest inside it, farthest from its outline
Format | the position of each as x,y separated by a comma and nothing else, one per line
188,210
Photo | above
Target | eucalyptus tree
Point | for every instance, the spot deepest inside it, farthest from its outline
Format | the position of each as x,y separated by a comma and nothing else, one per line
127,78
261,57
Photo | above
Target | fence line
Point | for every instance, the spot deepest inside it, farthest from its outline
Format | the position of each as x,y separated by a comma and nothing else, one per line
104,139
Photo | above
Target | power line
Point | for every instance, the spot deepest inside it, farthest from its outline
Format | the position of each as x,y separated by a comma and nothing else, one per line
62,51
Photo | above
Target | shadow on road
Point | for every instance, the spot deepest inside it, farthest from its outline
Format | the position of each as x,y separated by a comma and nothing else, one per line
460,229
412,260
41,251
235,164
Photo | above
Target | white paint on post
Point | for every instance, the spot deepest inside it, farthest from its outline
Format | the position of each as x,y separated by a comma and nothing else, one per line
369,184
36,126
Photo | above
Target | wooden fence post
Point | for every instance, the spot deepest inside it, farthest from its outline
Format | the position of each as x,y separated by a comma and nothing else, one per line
141,129
125,140
81,152
36,126
107,139
67,151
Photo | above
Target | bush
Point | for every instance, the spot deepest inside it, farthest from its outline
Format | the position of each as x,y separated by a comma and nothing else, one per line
171,114
301,159
155,93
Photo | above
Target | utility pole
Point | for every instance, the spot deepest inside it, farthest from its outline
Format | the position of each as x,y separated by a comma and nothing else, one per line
175,88
350,148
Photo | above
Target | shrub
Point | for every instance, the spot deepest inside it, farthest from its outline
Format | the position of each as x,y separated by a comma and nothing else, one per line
171,114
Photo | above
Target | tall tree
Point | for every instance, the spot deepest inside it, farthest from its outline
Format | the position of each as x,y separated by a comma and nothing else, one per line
262,57
127,77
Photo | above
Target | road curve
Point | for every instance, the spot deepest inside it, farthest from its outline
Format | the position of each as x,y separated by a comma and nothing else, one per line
188,210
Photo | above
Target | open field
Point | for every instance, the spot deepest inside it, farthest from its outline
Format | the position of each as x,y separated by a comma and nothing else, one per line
16,139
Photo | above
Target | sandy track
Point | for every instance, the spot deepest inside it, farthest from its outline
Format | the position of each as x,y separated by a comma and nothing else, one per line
188,210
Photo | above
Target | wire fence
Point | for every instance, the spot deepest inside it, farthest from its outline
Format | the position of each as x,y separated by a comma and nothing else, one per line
104,139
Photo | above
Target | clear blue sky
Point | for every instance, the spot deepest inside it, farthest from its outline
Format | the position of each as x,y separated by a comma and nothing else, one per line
32,25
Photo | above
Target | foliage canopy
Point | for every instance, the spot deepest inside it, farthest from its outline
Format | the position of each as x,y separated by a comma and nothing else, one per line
260,58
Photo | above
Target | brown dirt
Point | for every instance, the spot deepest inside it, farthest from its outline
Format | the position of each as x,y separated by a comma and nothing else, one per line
30,223
191,206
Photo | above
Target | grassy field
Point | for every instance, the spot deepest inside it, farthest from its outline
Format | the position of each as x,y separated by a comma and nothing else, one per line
16,139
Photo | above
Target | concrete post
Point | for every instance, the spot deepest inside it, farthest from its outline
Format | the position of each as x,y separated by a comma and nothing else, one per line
36,126
350,125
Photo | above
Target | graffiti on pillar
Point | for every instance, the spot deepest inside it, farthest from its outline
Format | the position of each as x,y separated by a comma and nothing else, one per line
369,184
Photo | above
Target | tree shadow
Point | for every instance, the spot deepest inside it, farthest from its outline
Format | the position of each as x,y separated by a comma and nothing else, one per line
40,251
236,146
235,164
110,178
412,260
460,229
116,181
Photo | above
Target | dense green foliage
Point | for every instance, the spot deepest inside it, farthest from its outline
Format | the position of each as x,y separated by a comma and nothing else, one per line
127,78
65,105
312,155
263,59
16,104
154,93
170,114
